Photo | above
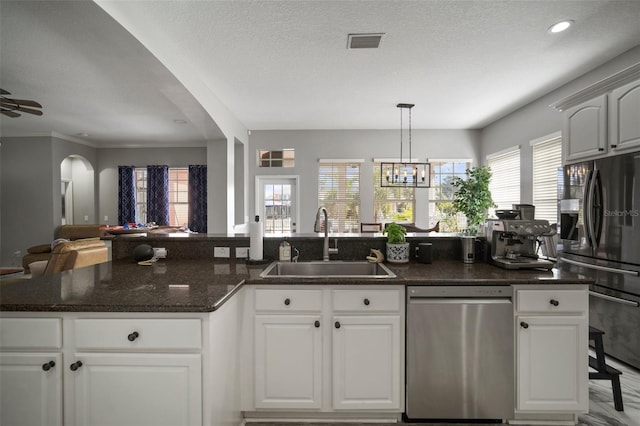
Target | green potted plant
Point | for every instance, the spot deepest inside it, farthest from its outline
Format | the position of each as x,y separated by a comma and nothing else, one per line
397,247
473,197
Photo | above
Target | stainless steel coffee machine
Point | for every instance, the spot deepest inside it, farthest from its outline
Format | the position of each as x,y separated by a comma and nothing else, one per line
514,243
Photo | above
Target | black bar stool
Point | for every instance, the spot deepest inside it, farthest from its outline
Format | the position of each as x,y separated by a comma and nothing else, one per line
604,371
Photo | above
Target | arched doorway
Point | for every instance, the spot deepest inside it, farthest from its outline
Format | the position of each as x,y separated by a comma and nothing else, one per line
77,190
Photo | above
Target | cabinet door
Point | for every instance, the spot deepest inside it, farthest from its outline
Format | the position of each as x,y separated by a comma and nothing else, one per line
288,361
31,389
137,389
366,362
585,130
552,363
625,117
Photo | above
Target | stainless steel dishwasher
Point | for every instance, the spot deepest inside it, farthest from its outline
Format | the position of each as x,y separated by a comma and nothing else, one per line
460,353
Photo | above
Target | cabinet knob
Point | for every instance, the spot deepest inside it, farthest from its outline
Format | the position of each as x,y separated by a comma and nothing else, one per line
48,365
613,146
75,365
366,302
554,302
337,324
133,336
287,301
317,324
601,149
524,324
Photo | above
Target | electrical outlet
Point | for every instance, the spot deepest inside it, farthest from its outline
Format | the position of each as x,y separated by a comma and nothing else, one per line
242,252
159,252
86,218
221,252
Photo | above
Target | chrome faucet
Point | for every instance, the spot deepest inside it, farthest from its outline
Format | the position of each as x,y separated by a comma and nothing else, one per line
317,227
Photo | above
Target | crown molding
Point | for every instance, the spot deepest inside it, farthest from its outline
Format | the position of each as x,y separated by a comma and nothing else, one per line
601,87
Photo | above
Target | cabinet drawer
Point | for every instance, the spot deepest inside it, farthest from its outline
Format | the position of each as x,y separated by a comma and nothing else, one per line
35,333
552,301
366,300
138,334
288,300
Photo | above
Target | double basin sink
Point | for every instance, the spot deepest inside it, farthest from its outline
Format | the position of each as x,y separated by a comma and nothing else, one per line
330,269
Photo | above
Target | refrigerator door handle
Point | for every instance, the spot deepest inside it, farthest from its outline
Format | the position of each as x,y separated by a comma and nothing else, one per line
602,268
596,207
614,299
586,208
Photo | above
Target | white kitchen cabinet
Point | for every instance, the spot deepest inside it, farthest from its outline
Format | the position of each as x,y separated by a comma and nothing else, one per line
137,389
552,350
288,361
624,107
328,348
31,371
31,389
585,130
366,362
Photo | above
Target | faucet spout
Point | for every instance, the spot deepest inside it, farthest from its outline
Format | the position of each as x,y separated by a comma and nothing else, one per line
318,228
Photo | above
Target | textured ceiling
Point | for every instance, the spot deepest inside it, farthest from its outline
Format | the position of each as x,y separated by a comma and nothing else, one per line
285,65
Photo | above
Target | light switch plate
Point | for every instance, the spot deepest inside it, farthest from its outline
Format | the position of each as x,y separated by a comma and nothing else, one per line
242,252
221,252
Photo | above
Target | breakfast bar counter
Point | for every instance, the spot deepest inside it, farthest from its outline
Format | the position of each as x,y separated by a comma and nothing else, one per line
183,285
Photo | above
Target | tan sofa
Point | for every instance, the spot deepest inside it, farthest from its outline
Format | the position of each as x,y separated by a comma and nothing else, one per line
68,232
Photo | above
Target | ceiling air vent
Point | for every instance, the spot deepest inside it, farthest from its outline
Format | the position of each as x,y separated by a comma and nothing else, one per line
364,41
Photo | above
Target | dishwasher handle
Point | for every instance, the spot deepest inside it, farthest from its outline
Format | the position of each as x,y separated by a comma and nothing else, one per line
459,300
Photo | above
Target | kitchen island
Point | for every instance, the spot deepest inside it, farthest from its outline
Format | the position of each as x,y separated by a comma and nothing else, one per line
195,337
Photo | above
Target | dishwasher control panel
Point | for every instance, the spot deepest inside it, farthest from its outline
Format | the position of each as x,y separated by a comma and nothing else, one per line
483,291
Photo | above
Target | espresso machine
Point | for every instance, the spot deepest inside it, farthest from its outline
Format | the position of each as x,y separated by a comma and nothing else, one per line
514,242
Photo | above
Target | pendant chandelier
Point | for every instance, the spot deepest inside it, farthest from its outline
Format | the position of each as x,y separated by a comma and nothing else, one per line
405,174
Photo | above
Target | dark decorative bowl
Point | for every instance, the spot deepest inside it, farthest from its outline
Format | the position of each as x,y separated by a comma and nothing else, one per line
507,214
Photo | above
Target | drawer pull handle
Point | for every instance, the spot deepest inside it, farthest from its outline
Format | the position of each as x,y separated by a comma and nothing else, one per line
554,302
317,324
367,302
287,301
524,325
75,365
337,324
133,336
48,365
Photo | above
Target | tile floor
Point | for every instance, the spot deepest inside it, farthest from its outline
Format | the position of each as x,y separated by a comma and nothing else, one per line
601,410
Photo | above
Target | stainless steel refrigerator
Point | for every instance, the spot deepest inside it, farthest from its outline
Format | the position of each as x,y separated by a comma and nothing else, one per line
600,237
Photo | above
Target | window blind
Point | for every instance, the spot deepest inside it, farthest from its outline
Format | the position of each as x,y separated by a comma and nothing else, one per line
547,158
339,193
392,204
505,179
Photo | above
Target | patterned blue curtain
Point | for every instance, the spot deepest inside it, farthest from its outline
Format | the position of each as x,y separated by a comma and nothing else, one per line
198,198
126,194
158,194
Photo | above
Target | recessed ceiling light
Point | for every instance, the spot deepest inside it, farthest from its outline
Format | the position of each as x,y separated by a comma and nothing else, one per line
558,27
364,41
180,121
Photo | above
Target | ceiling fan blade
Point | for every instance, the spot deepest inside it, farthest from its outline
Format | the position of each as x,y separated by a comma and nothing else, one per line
23,102
9,113
29,110
4,92
16,107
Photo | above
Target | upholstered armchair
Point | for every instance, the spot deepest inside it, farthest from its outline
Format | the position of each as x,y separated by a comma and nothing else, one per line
68,232
71,255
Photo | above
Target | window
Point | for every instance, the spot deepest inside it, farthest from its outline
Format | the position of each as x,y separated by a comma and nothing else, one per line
278,158
178,195
392,204
339,193
441,193
505,179
547,159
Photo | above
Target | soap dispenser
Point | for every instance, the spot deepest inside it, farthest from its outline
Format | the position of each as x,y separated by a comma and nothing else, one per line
285,251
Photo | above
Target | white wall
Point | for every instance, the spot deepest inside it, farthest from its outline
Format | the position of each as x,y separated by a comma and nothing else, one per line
111,158
311,145
538,119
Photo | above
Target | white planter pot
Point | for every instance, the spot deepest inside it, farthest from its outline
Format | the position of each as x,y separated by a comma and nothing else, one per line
398,253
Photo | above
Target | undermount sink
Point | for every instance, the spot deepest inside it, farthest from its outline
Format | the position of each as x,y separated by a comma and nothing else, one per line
330,269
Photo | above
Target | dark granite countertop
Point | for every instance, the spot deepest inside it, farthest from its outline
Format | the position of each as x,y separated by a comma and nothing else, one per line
182,285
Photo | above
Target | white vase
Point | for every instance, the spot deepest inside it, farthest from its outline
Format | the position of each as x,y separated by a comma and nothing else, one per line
398,253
